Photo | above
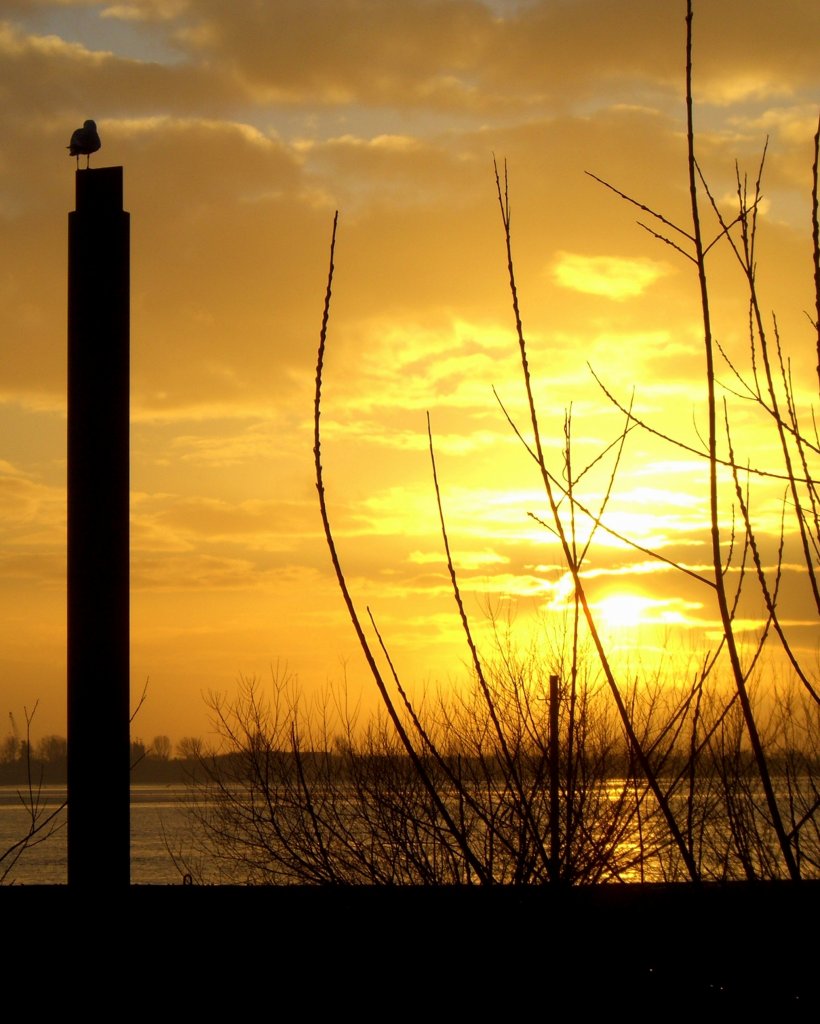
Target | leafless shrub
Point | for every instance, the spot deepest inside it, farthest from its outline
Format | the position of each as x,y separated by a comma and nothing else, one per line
43,818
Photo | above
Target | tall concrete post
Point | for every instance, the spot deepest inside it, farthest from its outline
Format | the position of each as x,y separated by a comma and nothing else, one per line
98,535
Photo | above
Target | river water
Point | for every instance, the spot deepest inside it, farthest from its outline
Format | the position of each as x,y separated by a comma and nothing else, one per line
163,839
159,824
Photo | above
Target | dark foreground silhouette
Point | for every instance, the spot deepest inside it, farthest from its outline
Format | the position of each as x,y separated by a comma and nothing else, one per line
626,952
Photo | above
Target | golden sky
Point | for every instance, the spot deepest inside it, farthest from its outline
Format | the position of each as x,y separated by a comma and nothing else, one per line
241,128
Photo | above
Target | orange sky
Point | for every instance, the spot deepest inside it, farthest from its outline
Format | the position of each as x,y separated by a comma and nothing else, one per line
241,128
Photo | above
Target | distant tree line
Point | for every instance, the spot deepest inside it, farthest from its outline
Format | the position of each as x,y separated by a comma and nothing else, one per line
46,760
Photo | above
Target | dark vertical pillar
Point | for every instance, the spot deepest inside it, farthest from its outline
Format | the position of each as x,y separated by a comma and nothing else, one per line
98,537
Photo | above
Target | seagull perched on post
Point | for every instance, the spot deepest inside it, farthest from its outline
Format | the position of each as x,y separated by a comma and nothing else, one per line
84,141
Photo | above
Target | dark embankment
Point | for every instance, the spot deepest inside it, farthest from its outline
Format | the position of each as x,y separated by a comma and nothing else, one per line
632,952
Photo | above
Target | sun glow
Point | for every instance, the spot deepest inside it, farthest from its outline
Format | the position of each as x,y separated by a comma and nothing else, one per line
625,610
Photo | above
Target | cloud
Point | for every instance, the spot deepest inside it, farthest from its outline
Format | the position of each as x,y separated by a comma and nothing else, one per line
611,277
146,10
469,560
355,50
33,511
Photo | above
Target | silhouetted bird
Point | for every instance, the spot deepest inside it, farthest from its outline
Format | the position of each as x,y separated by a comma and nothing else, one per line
84,141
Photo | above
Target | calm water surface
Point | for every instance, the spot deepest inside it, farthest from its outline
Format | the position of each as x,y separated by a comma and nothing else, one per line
163,837
158,821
